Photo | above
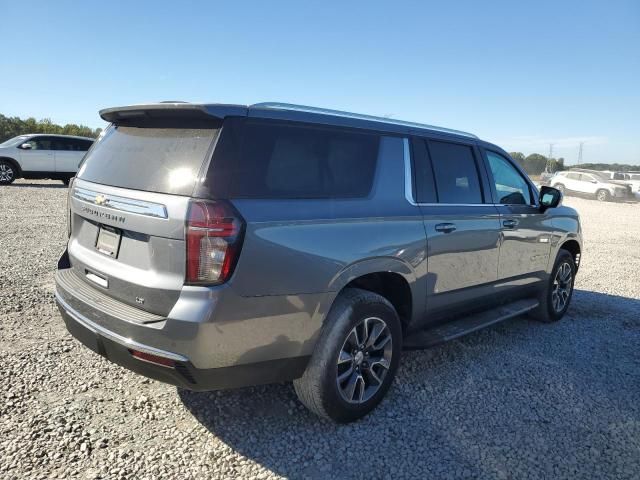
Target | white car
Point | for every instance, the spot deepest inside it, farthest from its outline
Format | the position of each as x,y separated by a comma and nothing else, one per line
591,184
634,180
630,178
42,156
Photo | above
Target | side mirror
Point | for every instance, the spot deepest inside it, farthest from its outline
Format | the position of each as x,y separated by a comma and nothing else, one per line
25,146
549,198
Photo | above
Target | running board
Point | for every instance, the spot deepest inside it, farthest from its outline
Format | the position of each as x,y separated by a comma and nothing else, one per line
457,328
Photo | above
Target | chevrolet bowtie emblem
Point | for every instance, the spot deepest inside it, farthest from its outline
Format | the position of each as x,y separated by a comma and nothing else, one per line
100,200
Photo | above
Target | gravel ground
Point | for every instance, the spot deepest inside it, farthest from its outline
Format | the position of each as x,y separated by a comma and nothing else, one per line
520,400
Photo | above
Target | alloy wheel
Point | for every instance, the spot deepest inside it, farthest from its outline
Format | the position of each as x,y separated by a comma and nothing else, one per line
6,172
562,285
364,360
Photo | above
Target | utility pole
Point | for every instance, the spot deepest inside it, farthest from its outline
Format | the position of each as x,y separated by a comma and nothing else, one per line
580,153
548,167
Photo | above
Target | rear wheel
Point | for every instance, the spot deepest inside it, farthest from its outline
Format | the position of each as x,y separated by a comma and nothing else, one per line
7,172
556,296
355,359
602,195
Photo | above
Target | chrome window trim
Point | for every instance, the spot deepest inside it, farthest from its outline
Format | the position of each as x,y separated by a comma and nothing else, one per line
408,188
122,204
408,185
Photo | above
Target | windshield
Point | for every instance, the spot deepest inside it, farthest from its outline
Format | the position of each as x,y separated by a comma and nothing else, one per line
14,141
164,160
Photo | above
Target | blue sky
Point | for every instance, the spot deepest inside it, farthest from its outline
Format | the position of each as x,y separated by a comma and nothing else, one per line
521,74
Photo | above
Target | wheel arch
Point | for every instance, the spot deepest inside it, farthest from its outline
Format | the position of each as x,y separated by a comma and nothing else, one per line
15,164
573,247
388,277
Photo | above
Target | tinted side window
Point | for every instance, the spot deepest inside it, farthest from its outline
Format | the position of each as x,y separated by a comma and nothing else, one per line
511,188
78,145
455,172
573,176
62,144
261,159
41,143
425,186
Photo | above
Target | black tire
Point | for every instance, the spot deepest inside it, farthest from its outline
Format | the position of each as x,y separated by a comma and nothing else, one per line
66,180
602,195
547,310
318,388
560,187
8,172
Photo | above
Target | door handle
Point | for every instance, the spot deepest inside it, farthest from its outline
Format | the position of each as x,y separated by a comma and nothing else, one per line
510,223
445,227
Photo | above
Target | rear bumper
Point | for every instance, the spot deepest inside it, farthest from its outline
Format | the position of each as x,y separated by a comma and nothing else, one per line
215,338
118,350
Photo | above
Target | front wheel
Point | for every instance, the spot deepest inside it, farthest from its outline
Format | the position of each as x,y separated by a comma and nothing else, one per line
556,296
602,195
560,187
7,173
355,359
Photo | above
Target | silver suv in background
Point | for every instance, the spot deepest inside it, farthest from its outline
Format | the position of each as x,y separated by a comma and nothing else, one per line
592,184
42,156
218,246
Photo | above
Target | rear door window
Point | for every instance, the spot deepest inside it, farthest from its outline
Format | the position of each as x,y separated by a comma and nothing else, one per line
455,173
164,160
263,159
61,143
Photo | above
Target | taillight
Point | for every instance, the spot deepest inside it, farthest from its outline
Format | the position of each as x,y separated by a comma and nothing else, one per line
214,237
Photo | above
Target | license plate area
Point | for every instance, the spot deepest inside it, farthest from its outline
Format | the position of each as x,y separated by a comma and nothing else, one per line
108,242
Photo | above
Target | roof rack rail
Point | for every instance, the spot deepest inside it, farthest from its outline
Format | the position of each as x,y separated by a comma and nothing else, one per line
339,113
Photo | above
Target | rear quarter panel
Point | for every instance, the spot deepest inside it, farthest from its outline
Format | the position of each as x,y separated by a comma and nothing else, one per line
317,246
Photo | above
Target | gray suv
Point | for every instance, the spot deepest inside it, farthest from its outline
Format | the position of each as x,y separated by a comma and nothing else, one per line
217,246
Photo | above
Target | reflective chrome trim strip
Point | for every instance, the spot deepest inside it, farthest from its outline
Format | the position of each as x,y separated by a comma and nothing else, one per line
358,116
457,204
123,204
126,342
408,181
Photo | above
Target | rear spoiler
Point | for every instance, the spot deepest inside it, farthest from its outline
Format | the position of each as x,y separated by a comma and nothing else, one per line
171,110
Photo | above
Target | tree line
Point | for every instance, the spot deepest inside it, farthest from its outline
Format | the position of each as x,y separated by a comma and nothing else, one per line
13,126
535,164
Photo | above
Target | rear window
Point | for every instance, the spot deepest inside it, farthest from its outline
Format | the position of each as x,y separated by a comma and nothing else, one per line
163,160
262,159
